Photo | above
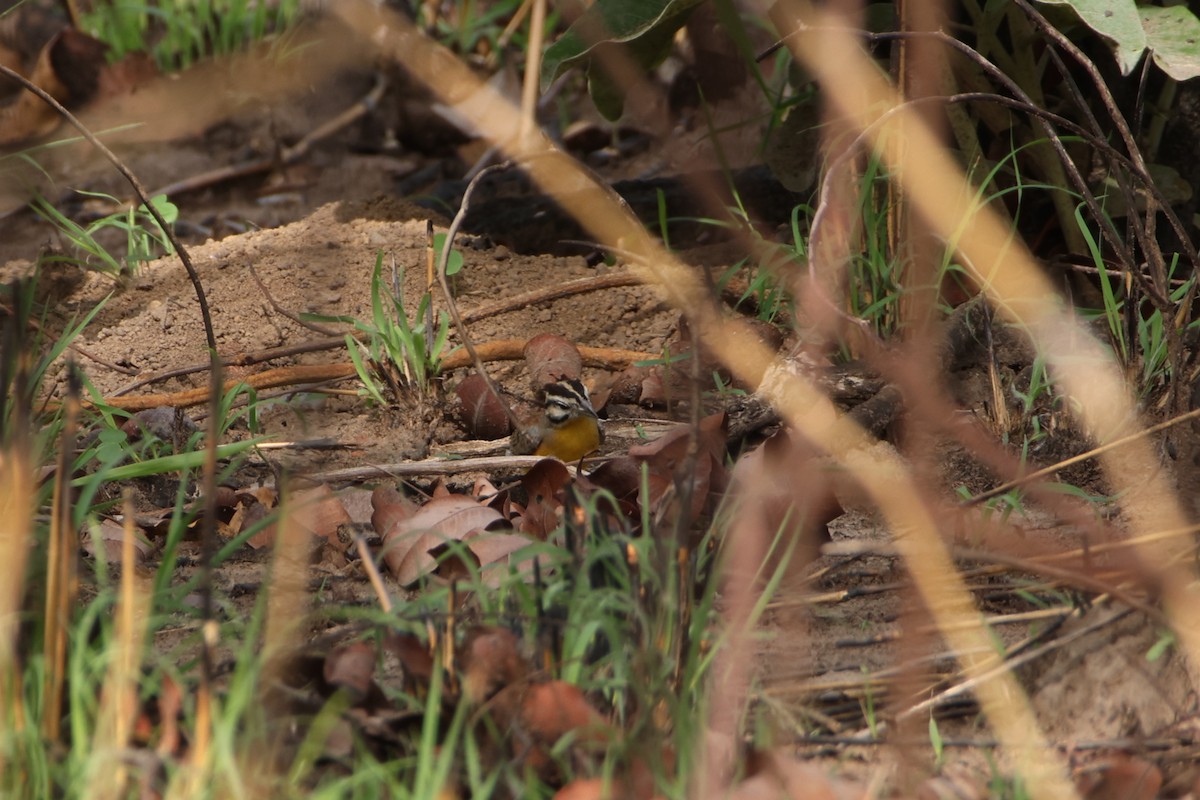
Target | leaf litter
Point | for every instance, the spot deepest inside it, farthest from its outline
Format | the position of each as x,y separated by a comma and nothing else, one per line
319,263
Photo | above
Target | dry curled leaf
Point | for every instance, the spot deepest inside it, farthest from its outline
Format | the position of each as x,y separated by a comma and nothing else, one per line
321,512
409,544
543,485
550,357
413,655
479,411
111,535
1120,777
495,547
666,454
621,477
785,489
491,661
548,712
351,668
67,69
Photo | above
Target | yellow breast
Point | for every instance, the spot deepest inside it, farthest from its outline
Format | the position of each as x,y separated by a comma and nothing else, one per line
571,440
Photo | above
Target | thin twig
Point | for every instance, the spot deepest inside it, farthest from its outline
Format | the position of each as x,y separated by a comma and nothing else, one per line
364,554
1008,666
289,155
312,326
104,362
139,190
552,292
500,350
430,466
1050,470
452,306
504,306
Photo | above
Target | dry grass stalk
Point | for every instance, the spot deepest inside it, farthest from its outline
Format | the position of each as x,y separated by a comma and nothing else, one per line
119,698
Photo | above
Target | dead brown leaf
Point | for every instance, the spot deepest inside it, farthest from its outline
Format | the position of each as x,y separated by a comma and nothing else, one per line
491,660
1120,777
351,668
548,712
409,543
789,487
111,535
665,455
550,357
479,411
414,657
543,484
321,512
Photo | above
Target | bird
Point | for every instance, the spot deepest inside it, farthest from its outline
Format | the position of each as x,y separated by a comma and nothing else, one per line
568,428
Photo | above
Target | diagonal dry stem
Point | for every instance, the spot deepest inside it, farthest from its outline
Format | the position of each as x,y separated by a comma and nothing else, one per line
938,190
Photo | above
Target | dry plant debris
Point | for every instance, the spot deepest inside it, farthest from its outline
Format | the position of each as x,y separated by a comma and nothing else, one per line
738,458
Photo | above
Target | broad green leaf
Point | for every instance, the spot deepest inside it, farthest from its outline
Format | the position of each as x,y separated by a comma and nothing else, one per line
454,264
1115,20
1173,35
645,27
169,211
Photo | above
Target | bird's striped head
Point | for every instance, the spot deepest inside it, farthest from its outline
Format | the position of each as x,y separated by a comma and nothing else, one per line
566,399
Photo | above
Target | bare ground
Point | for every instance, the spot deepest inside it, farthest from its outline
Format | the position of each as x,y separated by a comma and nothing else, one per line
848,642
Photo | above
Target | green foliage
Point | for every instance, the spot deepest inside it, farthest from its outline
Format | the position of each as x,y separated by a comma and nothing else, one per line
646,29
874,272
180,32
1137,337
454,263
1163,645
474,27
1171,33
935,739
399,351
144,238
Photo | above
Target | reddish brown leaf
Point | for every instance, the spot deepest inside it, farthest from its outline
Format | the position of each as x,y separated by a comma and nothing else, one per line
550,711
790,491
67,69
553,709
320,511
409,558
483,489
1121,777
591,789
479,411
543,486
664,455
491,660
549,357
351,668
453,563
170,708
111,538
622,477
390,508
626,388
493,547
413,655
409,542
